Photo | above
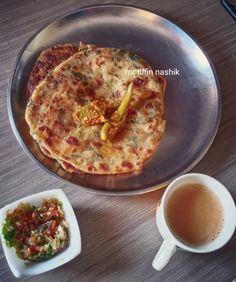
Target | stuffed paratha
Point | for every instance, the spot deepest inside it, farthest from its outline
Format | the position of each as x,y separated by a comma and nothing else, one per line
47,61
97,78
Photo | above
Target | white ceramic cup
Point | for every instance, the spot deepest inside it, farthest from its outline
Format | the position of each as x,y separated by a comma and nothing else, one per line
170,242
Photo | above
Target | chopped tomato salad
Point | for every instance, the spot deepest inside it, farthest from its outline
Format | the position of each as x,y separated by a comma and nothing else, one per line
36,233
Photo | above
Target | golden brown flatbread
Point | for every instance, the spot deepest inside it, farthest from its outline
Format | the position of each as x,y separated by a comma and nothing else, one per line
97,76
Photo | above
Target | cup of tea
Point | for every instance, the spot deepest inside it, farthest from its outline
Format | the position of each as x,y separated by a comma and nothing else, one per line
197,214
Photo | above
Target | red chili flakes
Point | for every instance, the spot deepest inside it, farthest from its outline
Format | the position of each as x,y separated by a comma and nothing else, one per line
150,151
149,106
57,123
127,164
96,144
99,82
132,112
153,95
72,140
90,92
104,166
49,142
91,168
46,130
75,81
138,82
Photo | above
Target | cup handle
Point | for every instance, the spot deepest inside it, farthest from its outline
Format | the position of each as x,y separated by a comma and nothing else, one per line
164,255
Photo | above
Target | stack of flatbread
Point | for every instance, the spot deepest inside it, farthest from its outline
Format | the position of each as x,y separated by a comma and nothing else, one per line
73,91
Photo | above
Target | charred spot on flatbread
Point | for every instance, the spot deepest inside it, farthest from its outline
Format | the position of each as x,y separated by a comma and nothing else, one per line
47,61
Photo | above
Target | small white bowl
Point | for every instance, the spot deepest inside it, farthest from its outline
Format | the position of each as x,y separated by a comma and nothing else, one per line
21,268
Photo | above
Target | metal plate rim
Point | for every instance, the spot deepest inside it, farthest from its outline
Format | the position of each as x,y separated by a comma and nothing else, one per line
91,189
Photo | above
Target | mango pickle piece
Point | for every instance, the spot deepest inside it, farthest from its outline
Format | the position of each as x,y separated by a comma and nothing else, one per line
117,120
91,114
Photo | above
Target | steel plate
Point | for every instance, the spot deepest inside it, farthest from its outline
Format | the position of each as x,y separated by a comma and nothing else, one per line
192,99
